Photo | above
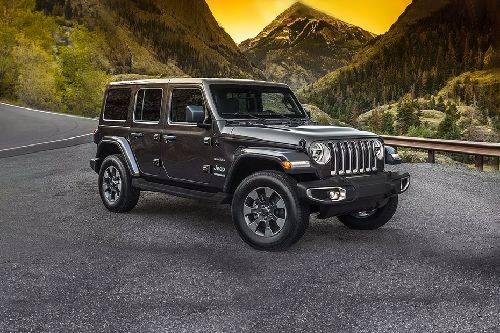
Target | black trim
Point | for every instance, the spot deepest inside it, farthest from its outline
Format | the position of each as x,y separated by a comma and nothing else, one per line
363,192
95,164
144,185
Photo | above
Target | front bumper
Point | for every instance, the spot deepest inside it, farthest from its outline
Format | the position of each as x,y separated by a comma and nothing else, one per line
343,195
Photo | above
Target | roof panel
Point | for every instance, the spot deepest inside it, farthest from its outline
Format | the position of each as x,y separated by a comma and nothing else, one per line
195,81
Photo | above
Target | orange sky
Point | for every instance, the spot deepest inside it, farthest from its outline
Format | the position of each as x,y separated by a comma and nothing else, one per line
244,19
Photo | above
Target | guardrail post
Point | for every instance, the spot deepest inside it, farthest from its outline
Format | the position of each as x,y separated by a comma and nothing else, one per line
479,162
496,163
431,156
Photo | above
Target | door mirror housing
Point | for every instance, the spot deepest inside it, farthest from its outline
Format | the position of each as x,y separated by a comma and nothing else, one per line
195,114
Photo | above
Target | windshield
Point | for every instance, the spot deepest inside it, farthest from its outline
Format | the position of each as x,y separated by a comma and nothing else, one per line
251,101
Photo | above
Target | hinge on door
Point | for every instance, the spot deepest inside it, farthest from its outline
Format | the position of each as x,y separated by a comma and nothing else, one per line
207,168
207,141
157,162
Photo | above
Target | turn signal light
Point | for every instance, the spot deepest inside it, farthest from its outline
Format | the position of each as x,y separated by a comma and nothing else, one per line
287,165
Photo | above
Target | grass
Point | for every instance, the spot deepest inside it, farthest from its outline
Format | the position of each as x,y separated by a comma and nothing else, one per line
419,156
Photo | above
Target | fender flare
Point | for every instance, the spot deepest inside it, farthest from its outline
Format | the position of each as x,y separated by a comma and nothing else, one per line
274,155
125,149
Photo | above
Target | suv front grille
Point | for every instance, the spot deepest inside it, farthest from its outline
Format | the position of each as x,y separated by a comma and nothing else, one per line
353,157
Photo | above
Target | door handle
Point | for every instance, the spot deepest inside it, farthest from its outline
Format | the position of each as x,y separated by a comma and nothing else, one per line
136,135
169,138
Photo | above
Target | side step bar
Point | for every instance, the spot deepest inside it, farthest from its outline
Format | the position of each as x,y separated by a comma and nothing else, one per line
145,185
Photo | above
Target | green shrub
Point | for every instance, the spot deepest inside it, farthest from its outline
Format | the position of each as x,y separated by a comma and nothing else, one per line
421,131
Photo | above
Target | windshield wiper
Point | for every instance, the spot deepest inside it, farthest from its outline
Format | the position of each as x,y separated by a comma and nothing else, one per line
237,114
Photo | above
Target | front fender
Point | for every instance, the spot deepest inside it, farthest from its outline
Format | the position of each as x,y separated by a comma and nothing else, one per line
288,160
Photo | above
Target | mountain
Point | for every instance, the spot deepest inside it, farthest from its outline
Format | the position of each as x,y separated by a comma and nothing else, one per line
431,43
302,44
59,55
162,37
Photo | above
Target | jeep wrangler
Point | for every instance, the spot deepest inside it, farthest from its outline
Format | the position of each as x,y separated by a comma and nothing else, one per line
246,143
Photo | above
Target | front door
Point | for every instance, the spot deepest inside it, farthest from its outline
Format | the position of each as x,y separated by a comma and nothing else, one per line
186,148
145,132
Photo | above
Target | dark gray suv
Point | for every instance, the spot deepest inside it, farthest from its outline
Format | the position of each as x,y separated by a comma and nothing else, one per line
246,143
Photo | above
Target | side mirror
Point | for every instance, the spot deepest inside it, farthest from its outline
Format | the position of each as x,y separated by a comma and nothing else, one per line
391,156
195,114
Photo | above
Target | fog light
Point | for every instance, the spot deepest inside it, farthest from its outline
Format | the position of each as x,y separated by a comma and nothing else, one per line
337,194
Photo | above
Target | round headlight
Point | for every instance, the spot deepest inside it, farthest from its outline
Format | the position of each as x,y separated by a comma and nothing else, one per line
320,153
379,149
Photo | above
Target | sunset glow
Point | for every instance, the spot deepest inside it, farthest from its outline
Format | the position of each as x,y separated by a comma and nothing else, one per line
245,19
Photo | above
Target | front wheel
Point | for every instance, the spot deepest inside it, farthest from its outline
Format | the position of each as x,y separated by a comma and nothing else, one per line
373,219
267,211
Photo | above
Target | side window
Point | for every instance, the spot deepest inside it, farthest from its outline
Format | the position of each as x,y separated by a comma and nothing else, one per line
117,103
148,105
181,98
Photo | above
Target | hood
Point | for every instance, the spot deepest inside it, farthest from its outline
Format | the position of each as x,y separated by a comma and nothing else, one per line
288,135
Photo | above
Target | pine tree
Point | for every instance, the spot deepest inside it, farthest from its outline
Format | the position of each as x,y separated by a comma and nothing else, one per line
407,116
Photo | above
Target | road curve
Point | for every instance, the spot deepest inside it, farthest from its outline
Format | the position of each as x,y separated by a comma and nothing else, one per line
176,265
23,130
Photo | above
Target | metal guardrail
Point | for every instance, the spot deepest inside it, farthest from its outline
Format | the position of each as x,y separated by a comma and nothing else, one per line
478,149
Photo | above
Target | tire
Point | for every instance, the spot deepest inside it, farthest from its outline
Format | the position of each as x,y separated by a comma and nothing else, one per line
115,177
273,224
373,220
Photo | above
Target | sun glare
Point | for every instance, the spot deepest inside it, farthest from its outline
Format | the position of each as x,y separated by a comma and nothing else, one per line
245,19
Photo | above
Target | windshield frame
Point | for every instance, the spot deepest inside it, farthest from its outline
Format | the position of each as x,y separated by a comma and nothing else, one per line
302,115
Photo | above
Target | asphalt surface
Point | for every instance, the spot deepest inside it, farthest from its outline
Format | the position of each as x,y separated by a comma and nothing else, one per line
21,127
176,265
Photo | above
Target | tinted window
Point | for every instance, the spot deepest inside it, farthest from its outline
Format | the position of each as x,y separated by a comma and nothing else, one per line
251,101
148,105
117,103
181,98
278,103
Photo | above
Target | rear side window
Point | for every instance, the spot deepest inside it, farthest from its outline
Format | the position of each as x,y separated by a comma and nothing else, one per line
181,98
148,105
117,103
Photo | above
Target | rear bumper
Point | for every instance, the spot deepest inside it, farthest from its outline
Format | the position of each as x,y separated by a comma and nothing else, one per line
340,195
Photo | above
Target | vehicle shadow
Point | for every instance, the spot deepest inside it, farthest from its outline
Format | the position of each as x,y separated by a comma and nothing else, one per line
213,224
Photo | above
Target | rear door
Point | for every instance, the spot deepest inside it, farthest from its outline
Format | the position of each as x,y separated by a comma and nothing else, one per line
146,130
186,151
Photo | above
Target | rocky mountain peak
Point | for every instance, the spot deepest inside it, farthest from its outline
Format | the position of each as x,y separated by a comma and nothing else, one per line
302,44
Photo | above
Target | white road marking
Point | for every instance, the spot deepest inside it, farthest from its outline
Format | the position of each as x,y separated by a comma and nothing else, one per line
48,112
44,143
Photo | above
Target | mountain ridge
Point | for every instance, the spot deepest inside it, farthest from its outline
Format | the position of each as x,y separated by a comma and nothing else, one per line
302,44
184,34
429,44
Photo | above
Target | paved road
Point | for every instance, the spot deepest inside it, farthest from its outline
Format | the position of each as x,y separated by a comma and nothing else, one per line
66,264
20,127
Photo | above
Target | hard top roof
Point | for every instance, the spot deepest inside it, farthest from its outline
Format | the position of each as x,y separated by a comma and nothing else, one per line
196,81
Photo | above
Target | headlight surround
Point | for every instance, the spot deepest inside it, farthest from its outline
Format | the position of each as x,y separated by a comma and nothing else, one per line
320,153
379,149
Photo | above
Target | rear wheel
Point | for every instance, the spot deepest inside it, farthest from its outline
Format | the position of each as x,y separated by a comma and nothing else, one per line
115,185
267,211
372,219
